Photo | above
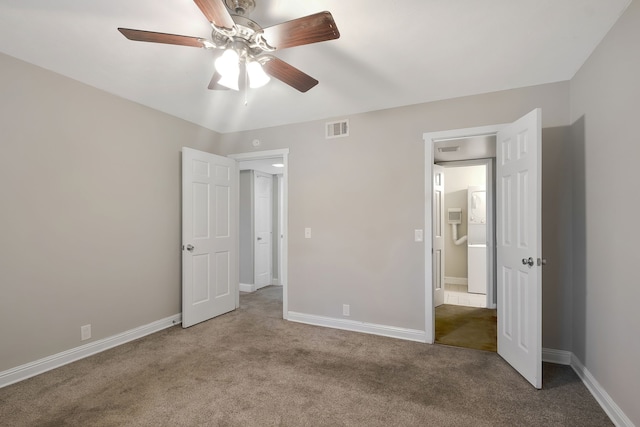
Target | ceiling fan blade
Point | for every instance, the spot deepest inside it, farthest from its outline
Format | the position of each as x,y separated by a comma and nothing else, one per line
150,36
314,28
216,12
288,74
214,85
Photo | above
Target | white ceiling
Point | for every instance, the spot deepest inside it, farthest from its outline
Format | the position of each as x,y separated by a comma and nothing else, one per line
389,54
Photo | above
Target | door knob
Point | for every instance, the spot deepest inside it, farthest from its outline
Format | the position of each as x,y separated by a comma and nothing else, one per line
527,261
542,261
190,248
259,238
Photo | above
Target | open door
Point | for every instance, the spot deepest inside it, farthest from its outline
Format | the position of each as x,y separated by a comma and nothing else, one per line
438,235
263,229
209,236
519,245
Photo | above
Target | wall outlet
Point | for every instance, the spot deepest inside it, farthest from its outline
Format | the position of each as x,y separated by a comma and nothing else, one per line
345,309
85,332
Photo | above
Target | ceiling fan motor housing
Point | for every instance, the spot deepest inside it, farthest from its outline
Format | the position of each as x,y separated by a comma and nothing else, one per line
240,7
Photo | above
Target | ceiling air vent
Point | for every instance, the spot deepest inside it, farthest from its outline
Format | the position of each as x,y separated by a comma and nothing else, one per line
337,129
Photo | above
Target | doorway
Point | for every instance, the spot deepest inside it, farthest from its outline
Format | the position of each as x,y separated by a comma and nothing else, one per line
258,224
263,162
465,313
453,146
518,240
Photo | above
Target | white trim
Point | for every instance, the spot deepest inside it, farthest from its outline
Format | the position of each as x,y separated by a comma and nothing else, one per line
258,155
353,325
48,363
275,282
456,280
559,357
602,397
244,287
284,259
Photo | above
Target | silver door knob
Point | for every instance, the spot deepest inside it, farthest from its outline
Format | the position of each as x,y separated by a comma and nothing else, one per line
190,248
527,261
259,238
542,261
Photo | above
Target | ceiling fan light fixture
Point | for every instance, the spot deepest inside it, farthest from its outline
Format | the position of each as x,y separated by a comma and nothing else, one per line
257,76
228,63
230,80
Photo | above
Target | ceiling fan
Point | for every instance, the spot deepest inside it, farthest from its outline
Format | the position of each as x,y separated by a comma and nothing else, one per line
246,45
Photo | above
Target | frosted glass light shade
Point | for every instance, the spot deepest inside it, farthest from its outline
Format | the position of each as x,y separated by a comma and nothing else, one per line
227,62
228,67
257,76
230,80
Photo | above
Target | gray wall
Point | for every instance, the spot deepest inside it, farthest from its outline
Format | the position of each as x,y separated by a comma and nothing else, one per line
363,196
605,103
90,212
245,227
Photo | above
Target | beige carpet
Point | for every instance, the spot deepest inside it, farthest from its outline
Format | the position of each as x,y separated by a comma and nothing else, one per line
251,368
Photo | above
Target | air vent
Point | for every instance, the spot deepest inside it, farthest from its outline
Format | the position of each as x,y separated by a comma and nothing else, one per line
448,149
337,129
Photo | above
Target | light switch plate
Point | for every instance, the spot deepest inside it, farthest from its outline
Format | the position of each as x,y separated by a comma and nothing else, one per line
418,235
307,233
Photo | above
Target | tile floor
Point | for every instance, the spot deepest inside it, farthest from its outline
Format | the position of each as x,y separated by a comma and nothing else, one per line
458,295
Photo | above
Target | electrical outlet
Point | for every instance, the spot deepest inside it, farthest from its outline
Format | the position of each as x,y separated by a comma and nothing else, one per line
345,309
85,332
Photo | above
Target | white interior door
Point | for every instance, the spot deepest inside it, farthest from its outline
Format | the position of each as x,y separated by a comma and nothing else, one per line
519,245
209,236
438,235
263,226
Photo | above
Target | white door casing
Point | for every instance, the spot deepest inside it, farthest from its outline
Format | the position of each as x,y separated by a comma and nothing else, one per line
263,229
209,236
438,235
519,245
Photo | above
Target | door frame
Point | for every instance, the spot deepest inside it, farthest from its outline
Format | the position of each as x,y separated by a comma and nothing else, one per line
284,259
429,139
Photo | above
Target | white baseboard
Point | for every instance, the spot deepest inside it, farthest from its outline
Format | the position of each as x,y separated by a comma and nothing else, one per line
559,357
353,325
614,412
456,280
31,369
244,287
